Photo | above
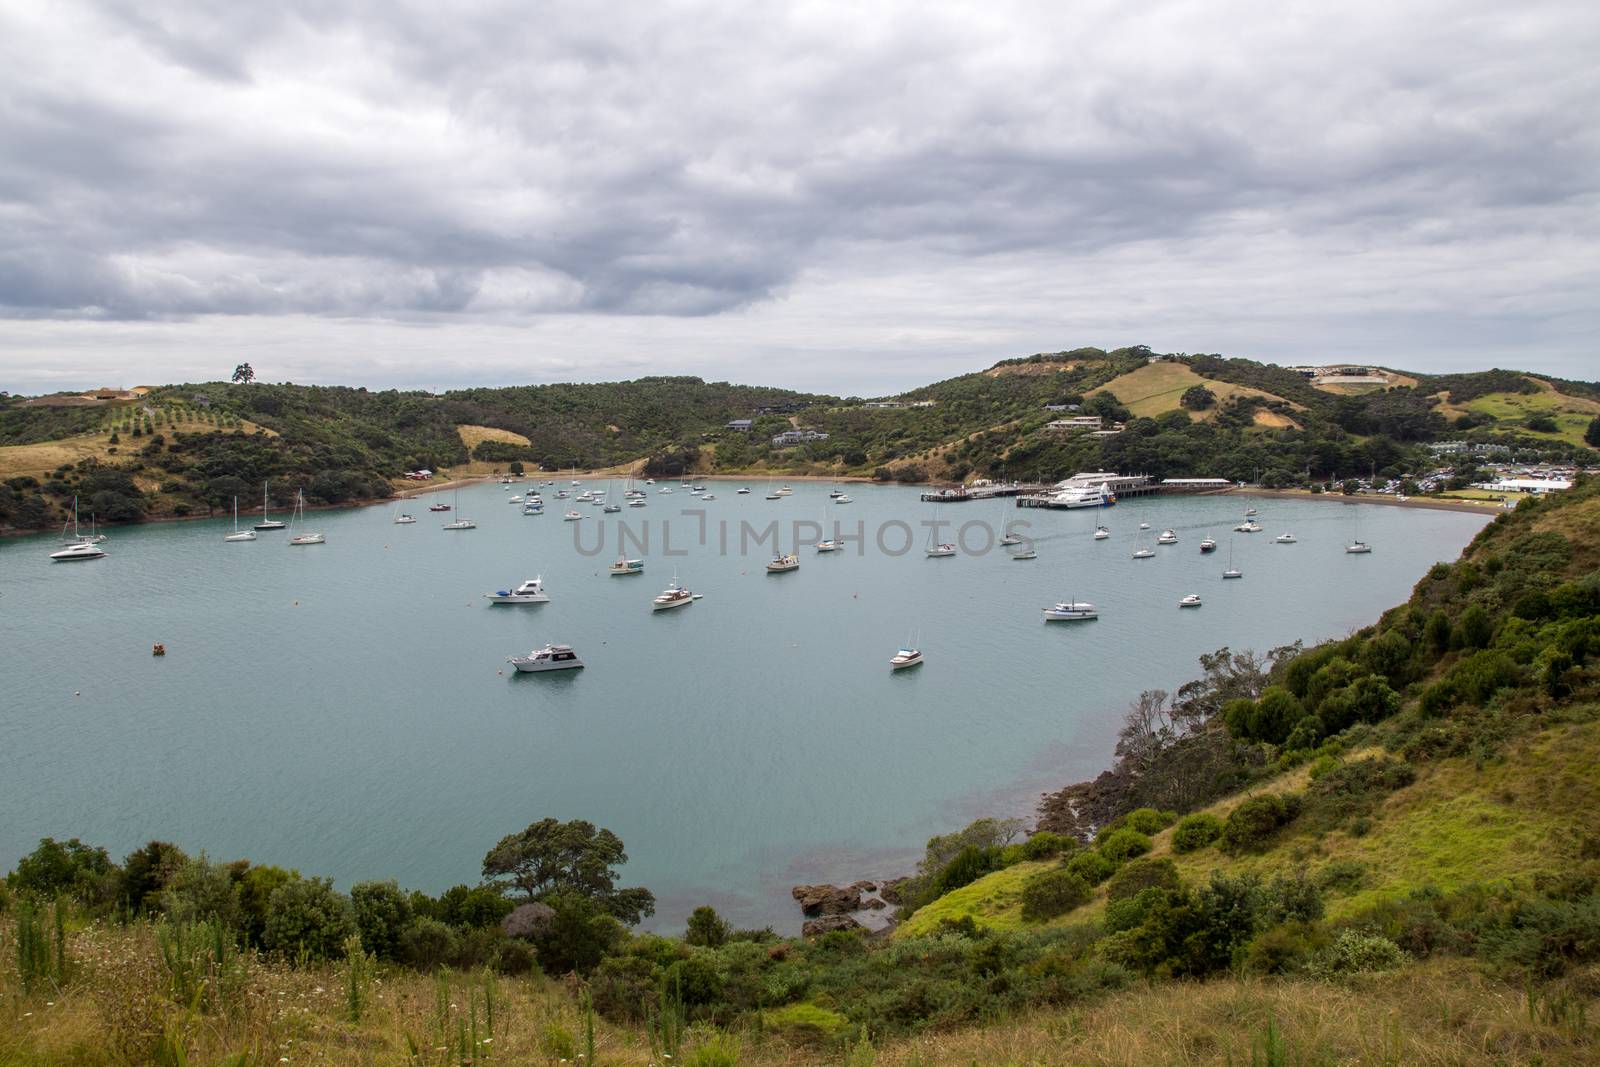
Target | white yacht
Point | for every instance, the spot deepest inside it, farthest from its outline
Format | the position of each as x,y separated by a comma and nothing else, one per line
1248,526
299,516
1167,538
404,519
1249,512
1208,545
742,491
572,516
708,496
944,548
785,491
637,502
77,551
843,498
529,592
1144,526
829,544
1232,571
905,657
1190,601
514,499
673,596
611,509
1026,553
1101,533
238,534
1143,553
835,494
665,489
460,524
626,566
779,564
1071,611
1082,496
1358,547
548,658
1284,539
1010,538
266,523
533,509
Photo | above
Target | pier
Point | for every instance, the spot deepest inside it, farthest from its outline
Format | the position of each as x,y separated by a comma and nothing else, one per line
979,491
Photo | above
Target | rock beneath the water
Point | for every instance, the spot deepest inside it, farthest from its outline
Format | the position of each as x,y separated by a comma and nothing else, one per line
827,899
829,923
890,890
875,903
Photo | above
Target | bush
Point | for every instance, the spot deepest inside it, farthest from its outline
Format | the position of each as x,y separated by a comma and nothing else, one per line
1283,949
1044,844
1138,875
427,944
1269,719
1252,823
706,928
1051,893
1352,790
1354,951
515,958
307,917
381,913
60,867
1124,844
1149,820
1195,832
1091,866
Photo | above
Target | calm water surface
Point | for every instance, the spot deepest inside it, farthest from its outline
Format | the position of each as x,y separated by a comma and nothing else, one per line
346,709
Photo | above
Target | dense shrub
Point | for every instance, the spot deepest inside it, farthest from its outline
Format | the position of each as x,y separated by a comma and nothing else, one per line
1253,823
1043,844
427,944
1195,832
147,870
1124,844
1353,789
1135,876
1354,951
381,914
1091,866
202,891
1270,718
1284,949
1367,699
1148,820
306,916
1050,893
706,928
61,867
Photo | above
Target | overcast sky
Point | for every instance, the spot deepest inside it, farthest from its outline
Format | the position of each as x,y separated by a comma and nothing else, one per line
846,197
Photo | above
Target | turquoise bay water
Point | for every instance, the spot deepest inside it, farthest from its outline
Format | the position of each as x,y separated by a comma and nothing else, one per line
346,708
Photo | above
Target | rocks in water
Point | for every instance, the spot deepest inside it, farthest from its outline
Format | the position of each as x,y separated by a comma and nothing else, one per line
829,923
827,899
874,903
890,890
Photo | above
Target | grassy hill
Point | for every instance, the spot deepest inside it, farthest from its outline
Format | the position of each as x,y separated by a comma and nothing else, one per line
188,449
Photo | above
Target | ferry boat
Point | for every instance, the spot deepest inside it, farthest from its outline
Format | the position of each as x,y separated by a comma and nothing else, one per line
626,566
779,564
905,657
529,592
673,596
548,658
1083,496
1190,601
1167,538
1071,611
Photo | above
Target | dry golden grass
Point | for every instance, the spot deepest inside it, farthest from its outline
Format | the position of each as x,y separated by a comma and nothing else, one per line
1155,389
115,1008
1037,370
473,436
1272,420
41,459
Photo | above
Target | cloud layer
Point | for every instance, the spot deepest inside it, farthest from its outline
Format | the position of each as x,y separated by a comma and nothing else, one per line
712,187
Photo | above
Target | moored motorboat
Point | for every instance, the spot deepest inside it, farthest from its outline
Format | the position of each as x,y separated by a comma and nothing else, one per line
626,566
905,657
1167,538
1284,539
529,592
780,564
673,596
438,507
843,499
548,658
743,490
572,516
829,544
1190,601
79,551
1247,526
1071,611
1208,545
1358,548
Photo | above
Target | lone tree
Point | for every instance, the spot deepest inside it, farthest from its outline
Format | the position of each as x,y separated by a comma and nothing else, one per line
1591,436
1197,398
552,857
244,374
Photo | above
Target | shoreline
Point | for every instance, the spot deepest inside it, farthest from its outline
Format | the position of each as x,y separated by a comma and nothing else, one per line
1425,502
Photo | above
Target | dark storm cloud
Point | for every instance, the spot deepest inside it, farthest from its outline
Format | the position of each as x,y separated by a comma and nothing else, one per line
495,161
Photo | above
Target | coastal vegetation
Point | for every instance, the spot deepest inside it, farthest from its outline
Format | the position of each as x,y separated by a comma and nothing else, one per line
188,449
1377,850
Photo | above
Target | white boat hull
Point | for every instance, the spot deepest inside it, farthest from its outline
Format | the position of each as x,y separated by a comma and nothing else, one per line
242,535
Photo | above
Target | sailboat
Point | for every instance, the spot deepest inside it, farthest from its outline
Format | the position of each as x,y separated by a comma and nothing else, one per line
238,534
828,544
461,522
299,516
78,547
266,523
1141,550
1358,547
1232,571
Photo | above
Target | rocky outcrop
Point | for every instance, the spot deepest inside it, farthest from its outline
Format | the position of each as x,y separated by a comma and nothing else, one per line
829,923
818,900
